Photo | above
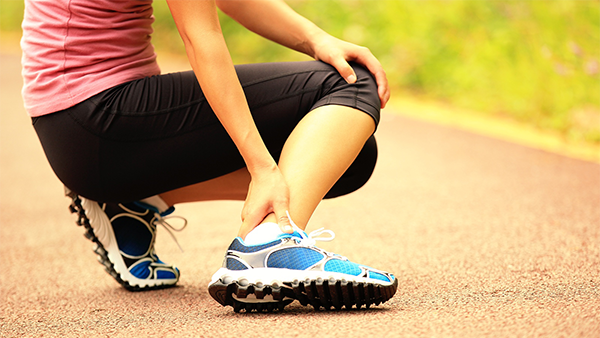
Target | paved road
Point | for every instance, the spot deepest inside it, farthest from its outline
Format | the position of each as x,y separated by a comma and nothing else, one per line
487,238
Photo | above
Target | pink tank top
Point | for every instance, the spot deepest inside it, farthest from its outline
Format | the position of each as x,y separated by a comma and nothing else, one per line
74,49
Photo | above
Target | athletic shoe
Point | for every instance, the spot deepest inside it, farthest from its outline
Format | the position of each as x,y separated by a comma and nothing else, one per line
271,275
124,235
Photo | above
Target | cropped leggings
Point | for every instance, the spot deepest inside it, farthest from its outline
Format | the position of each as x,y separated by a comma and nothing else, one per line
158,133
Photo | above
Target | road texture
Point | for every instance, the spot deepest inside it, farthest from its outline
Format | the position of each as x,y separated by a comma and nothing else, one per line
487,238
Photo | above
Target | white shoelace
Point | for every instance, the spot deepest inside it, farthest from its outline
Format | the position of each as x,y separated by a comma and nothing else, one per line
160,220
311,238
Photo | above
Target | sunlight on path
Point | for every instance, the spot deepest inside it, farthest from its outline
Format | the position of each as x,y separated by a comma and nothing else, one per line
496,127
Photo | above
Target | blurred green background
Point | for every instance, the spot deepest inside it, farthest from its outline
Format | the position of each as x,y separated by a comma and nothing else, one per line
534,61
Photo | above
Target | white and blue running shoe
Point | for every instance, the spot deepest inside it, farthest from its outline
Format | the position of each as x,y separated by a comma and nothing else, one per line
124,235
271,275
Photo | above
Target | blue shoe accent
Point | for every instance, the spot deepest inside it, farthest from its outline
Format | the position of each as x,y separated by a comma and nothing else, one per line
134,228
294,258
380,276
125,235
343,266
271,275
134,235
166,274
141,270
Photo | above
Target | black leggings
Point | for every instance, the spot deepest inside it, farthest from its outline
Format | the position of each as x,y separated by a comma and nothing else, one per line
158,133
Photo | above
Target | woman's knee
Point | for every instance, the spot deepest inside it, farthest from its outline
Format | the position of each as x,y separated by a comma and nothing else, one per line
361,95
367,84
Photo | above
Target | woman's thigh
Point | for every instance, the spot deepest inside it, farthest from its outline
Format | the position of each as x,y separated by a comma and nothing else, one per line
158,133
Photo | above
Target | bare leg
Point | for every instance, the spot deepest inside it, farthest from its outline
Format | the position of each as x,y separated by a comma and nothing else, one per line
317,153
233,186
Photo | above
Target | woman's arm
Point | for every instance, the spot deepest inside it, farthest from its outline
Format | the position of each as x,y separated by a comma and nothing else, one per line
276,21
199,27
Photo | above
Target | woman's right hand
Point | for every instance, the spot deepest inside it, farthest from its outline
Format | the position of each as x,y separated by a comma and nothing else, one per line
268,194
198,25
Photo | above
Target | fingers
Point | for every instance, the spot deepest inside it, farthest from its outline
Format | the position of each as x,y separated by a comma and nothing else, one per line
345,70
337,53
383,89
249,222
368,60
277,213
283,220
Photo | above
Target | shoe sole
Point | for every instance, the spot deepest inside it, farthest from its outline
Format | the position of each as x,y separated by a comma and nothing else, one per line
330,292
104,257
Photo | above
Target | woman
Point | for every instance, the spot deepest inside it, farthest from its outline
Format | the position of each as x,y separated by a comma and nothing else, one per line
129,143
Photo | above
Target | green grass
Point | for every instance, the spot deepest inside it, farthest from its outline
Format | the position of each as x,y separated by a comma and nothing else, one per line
532,61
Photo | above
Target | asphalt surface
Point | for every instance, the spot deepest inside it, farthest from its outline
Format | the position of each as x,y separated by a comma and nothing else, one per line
487,238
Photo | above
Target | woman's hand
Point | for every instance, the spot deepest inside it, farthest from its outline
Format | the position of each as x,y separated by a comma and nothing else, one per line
276,21
337,53
268,194
198,25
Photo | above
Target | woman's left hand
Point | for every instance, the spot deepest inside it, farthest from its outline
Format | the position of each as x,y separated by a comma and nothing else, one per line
276,21
337,53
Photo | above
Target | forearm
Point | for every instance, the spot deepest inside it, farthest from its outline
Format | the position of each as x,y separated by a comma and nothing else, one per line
212,64
224,93
276,21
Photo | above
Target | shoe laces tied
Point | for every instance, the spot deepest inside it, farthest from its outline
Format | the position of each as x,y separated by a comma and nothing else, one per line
162,221
311,238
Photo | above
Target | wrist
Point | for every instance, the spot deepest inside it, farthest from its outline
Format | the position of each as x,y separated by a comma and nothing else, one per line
256,155
314,39
262,168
